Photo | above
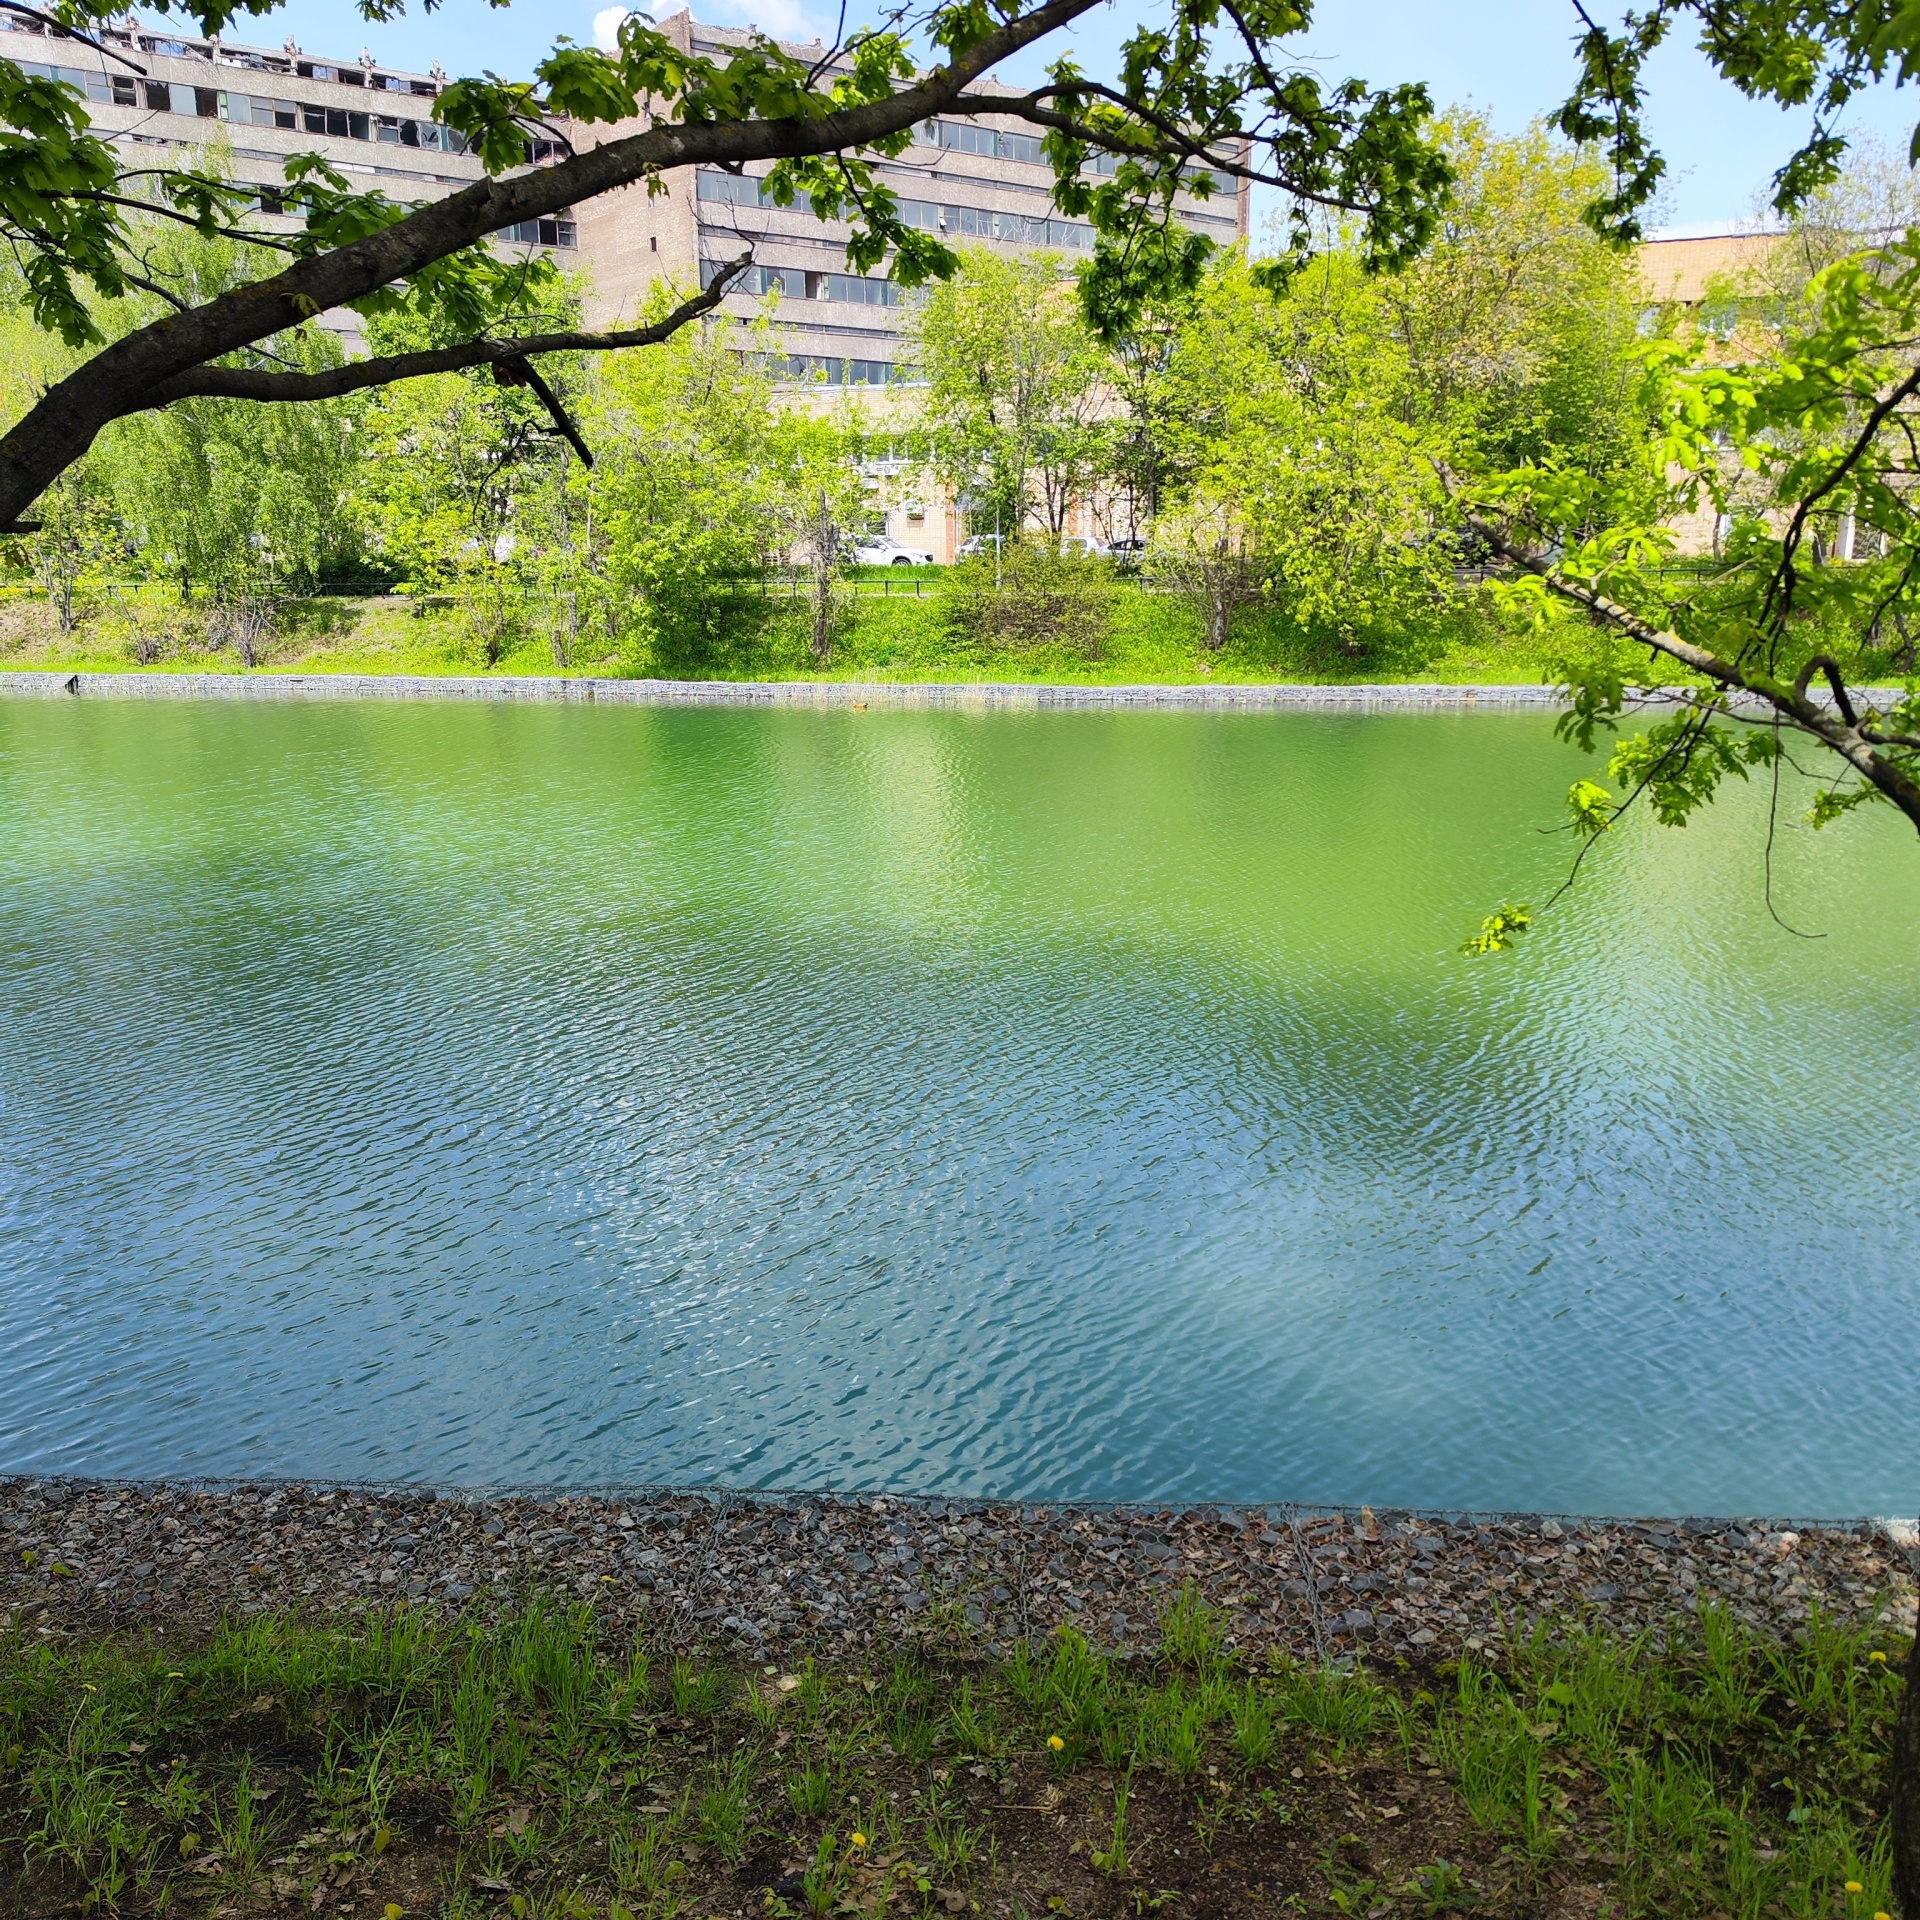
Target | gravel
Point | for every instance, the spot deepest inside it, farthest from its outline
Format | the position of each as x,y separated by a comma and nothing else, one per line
824,1571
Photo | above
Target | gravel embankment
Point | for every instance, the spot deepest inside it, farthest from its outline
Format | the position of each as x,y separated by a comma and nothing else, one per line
833,1572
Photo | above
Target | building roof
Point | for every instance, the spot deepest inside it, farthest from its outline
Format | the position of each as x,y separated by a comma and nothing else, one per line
1682,270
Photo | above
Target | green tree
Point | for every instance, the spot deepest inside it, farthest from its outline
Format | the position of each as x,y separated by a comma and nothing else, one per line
690,494
1196,87
1014,412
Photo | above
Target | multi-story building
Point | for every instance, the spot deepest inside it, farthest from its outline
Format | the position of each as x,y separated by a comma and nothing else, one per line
981,181
977,182
973,182
188,96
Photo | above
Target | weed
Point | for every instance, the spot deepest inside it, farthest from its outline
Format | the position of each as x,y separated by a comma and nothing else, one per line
1440,1888
1192,1631
699,1692
1253,1729
811,1793
721,1810
952,1842
1112,1858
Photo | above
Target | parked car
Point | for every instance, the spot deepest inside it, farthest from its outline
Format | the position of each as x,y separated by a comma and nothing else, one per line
979,545
1082,546
883,550
1129,549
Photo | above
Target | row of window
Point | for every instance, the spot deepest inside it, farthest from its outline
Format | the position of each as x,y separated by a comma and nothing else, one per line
980,223
963,136
970,223
798,283
277,63
556,232
254,110
829,369
542,233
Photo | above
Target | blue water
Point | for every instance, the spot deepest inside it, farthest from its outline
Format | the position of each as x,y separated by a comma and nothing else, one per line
1052,1105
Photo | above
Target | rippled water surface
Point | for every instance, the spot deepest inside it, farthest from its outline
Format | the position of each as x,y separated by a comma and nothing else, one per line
1056,1105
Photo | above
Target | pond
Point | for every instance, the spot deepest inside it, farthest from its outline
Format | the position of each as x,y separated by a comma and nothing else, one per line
1054,1105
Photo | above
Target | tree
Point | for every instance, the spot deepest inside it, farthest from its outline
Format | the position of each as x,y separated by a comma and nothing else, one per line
1016,390
1301,475
1768,651
1196,86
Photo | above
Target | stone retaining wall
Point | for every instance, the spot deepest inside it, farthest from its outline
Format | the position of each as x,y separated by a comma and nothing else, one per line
761,693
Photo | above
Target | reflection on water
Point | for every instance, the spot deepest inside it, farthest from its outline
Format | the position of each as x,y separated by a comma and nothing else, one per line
1059,1105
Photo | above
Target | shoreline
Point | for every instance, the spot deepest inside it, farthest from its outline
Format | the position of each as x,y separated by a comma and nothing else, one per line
785,1572
562,690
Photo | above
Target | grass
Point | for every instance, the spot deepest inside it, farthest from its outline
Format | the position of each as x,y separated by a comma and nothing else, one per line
898,625
535,1766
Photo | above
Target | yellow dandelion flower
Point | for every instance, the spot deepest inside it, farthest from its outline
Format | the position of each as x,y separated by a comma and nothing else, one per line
1854,1886
859,1839
1881,1657
1056,1743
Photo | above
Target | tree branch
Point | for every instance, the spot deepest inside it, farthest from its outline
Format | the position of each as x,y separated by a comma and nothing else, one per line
329,383
71,33
1840,731
125,377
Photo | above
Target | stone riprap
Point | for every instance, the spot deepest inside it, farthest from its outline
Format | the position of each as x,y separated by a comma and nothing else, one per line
835,1572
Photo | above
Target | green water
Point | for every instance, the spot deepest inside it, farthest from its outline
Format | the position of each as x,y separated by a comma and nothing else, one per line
1066,1104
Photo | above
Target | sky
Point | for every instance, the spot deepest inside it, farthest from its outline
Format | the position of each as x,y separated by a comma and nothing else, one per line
1511,59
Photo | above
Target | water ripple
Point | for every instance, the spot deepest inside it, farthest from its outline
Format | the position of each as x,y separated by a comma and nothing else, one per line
1048,1105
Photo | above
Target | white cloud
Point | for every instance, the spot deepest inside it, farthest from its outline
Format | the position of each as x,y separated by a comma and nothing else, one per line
783,19
606,27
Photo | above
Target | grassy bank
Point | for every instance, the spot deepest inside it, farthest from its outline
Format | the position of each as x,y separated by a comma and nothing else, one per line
531,1763
893,625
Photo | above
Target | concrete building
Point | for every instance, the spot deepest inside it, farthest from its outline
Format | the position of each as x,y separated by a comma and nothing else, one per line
972,182
371,122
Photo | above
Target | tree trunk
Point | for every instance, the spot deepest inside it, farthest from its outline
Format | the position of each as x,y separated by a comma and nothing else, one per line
1904,1788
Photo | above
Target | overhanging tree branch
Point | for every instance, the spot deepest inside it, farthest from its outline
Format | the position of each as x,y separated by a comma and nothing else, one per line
355,376
124,377
1838,729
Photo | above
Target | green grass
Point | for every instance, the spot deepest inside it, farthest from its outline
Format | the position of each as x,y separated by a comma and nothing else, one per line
535,1766
898,625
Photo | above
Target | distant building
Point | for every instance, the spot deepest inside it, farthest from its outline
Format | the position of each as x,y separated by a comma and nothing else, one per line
1684,272
971,182
371,122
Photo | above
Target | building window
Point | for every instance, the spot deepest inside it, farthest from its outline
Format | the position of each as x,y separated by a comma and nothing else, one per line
962,136
730,189
558,231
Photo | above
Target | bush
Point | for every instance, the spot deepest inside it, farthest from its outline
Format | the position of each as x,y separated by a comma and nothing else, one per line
1042,601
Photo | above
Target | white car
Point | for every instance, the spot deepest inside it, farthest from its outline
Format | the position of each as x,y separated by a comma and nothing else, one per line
883,550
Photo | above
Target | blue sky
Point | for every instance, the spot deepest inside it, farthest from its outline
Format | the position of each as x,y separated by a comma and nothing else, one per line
1510,58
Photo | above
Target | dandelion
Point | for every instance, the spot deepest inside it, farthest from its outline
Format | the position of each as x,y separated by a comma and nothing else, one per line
858,1839
1056,1743
84,1688
1880,1657
1854,1886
